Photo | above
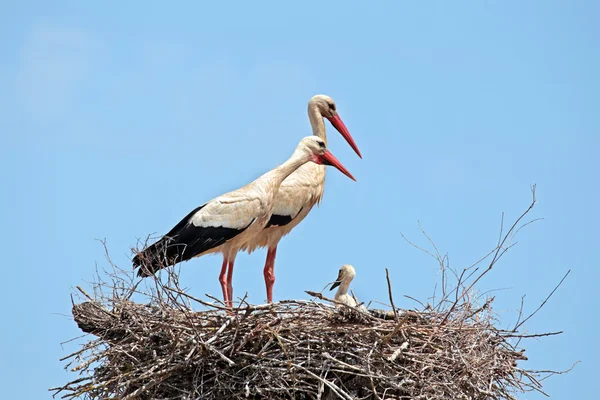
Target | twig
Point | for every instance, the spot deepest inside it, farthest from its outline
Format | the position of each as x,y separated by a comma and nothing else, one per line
498,253
543,302
330,385
387,277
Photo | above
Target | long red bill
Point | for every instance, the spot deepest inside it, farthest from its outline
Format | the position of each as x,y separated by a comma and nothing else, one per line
329,159
337,122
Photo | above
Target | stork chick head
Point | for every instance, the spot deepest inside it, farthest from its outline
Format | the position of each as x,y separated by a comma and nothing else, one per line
345,275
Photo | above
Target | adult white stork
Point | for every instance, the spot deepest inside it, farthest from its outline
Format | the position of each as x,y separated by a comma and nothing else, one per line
300,191
226,222
343,280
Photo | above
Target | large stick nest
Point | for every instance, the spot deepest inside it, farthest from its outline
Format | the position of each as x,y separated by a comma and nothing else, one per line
300,349
294,349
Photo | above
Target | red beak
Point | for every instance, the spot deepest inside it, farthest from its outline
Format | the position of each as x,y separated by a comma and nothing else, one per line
336,121
329,159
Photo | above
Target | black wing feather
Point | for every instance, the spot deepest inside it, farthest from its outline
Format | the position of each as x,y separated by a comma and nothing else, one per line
281,220
182,243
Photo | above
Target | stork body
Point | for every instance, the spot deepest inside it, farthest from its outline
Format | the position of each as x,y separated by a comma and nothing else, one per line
225,223
299,192
343,280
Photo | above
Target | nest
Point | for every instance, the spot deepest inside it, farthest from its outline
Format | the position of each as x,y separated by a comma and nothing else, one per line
292,349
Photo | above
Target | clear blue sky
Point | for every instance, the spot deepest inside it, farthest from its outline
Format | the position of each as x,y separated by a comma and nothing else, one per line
118,120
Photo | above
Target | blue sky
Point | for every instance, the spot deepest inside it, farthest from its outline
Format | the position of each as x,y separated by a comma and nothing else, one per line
117,120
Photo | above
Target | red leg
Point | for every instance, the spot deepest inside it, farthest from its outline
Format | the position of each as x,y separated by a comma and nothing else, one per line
223,280
269,272
230,284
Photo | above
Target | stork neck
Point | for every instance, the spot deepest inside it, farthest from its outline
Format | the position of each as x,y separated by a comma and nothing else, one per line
297,159
316,122
343,289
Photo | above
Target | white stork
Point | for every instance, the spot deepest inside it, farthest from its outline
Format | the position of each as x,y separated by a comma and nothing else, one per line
226,222
300,191
343,280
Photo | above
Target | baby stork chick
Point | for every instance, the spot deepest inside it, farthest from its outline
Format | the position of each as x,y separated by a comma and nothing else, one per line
343,280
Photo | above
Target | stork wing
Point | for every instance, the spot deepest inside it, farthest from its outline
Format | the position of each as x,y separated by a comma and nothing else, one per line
203,229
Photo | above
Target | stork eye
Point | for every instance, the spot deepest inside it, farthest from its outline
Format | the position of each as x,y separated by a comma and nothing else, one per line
331,106
321,144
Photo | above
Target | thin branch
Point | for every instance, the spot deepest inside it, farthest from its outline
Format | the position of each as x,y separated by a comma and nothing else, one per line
387,277
497,255
543,302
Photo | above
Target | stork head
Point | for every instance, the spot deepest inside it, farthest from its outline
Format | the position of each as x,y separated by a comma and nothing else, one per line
345,275
324,104
327,108
315,149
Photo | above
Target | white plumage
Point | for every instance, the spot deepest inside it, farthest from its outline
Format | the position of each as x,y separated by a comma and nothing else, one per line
299,192
343,280
228,221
